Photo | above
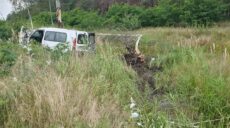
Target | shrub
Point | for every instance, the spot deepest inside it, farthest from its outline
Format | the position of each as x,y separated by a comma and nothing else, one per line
188,12
123,16
83,19
7,59
5,32
202,11
166,13
43,19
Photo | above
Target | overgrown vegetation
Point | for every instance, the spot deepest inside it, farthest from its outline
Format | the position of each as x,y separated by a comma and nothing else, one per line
5,32
125,16
67,91
7,58
195,76
48,89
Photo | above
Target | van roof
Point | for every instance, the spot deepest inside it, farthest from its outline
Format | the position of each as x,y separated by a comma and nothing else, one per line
57,29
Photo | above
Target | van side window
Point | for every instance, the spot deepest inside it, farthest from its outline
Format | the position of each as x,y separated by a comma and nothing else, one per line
82,39
60,37
55,36
50,36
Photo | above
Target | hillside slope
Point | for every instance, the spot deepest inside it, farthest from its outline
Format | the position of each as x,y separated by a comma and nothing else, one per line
50,89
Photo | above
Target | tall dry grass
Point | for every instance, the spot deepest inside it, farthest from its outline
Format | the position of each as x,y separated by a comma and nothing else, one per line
71,91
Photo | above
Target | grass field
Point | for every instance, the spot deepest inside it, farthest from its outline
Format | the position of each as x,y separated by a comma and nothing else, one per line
53,90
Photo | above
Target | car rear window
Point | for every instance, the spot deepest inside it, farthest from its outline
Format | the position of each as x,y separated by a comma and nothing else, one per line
55,36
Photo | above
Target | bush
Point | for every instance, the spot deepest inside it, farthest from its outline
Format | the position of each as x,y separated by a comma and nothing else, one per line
83,19
43,18
5,32
166,13
123,16
202,11
188,12
7,59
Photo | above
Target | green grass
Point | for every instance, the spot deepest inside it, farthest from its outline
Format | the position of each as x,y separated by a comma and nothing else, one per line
95,90
195,75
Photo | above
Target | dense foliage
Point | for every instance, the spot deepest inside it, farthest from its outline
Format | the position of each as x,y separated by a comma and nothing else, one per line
7,58
165,13
5,31
186,12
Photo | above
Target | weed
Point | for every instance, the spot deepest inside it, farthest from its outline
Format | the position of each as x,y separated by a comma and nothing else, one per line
7,60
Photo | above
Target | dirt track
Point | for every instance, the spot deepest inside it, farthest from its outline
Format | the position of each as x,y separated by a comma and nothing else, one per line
140,64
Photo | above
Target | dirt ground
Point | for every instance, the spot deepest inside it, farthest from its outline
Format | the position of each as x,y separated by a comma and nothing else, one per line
140,64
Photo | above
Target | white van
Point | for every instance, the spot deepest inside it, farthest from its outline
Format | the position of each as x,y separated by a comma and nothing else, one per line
75,40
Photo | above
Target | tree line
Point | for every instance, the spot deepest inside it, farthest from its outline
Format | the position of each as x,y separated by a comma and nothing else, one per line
124,14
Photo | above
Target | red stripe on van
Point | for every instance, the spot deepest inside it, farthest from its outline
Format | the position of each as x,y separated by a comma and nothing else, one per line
74,43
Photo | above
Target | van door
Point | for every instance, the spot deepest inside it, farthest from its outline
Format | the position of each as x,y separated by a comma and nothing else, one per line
82,42
52,39
37,36
92,42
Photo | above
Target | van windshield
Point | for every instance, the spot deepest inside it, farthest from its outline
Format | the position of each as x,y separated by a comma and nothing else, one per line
82,39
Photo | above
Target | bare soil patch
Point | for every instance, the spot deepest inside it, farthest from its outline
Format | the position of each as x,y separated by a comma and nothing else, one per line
141,65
